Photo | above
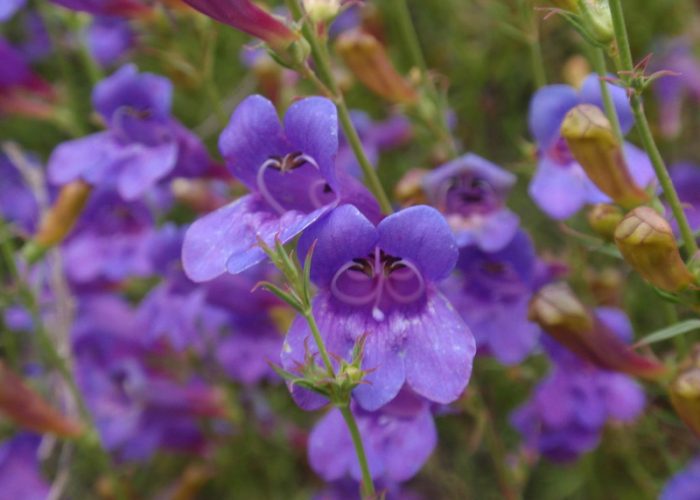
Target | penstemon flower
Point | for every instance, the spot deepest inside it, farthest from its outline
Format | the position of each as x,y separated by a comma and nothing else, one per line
379,283
20,470
292,177
471,192
106,7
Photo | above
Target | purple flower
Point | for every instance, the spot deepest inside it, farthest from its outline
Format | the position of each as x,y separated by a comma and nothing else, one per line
291,173
685,485
21,90
20,473
143,143
560,187
108,38
110,242
569,409
17,202
398,439
673,90
686,178
492,292
9,7
380,282
106,7
138,408
471,192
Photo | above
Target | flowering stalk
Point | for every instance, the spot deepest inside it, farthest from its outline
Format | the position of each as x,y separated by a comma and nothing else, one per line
626,66
409,39
598,60
327,84
336,385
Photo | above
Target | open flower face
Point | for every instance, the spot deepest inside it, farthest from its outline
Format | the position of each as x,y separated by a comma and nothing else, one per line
291,174
380,282
471,192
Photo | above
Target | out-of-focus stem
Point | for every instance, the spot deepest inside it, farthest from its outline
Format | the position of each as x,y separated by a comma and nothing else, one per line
539,73
627,67
322,60
409,39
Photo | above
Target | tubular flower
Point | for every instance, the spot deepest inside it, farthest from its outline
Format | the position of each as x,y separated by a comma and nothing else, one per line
106,7
292,177
377,284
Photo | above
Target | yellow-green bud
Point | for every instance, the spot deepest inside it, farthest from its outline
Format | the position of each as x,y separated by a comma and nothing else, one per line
322,11
647,243
685,393
594,145
604,219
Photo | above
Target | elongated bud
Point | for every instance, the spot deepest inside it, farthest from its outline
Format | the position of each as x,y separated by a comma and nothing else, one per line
560,314
322,11
592,142
369,62
409,191
60,219
597,19
27,409
647,243
604,219
685,393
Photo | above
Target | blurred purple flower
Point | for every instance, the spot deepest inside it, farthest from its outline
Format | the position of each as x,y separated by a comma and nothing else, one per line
9,7
106,7
110,242
686,178
380,282
291,172
471,192
138,409
685,485
560,187
567,413
22,91
108,38
36,43
672,91
492,292
17,202
143,143
398,439
20,472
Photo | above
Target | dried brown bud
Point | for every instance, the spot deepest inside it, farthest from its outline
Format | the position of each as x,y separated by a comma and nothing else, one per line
61,217
647,243
560,314
604,219
685,393
369,62
592,142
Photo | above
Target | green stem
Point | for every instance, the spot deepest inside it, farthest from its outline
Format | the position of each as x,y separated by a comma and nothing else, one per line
368,490
309,316
323,67
600,66
409,39
539,73
627,66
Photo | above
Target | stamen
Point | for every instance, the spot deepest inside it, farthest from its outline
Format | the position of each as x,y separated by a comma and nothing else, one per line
262,187
355,300
404,276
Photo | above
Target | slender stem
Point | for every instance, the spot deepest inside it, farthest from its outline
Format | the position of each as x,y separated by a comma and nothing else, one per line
642,124
409,39
323,67
368,490
309,316
539,74
600,66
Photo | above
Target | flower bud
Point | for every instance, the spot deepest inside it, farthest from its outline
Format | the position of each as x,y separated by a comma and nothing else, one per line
685,393
592,142
409,190
369,62
58,221
604,219
647,243
27,409
561,315
322,11
597,20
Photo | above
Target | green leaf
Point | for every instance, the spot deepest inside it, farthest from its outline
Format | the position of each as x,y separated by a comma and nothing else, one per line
672,331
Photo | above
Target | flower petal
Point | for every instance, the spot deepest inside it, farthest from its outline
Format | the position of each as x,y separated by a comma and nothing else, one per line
560,192
252,136
74,159
547,110
311,127
439,351
145,166
422,235
590,94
